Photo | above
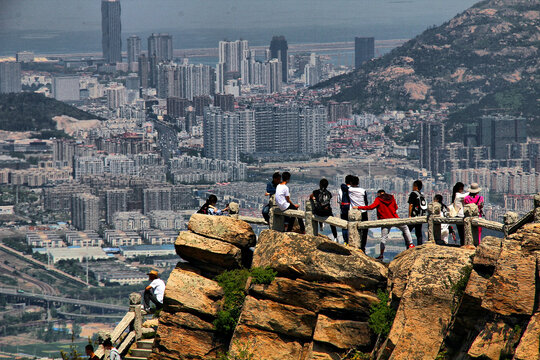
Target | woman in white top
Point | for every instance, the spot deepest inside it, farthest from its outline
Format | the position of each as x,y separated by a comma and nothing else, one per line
458,196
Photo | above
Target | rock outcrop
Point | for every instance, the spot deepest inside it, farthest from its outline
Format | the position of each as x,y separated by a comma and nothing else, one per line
192,296
450,303
317,307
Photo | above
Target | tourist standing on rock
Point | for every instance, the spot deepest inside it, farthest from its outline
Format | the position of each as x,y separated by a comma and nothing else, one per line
89,349
417,207
387,209
283,201
270,191
345,204
321,199
113,352
358,197
474,197
446,229
209,207
154,292
456,210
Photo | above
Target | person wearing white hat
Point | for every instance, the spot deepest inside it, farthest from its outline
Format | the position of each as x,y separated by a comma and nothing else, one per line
474,197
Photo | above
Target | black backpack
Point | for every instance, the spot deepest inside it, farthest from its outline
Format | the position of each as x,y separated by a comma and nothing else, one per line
322,201
421,209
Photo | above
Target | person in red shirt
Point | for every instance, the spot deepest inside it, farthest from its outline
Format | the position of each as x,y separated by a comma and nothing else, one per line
387,209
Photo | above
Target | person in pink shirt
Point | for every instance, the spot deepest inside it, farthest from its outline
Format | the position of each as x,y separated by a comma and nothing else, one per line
474,197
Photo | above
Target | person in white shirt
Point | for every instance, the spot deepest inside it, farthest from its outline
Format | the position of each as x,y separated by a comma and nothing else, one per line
154,292
283,201
358,197
458,197
114,354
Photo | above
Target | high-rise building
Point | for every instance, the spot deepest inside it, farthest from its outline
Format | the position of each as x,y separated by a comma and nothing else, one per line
339,110
116,96
273,75
313,124
66,88
364,50
224,101
278,50
220,134
312,71
200,102
432,139
143,69
111,31
133,52
184,81
231,54
115,201
156,199
246,131
220,78
176,107
497,132
10,77
161,46
85,212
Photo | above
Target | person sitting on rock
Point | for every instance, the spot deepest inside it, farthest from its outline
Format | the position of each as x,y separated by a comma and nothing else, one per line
154,292
209,207
387,209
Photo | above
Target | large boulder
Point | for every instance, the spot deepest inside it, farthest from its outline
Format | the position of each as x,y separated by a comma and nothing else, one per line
334,298
512,288
224,228
315,258
188,291
529,345
197,248
421,280
342,334
494,342
279,318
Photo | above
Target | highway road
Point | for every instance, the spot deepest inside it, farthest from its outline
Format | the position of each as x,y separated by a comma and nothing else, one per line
63,300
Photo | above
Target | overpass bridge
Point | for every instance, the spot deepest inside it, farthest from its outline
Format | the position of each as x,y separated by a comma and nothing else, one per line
40,298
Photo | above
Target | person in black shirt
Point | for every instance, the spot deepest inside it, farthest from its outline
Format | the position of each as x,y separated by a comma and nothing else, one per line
320,199
415,209
270,190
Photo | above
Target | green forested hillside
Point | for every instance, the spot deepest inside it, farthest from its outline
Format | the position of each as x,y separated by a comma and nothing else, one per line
34,112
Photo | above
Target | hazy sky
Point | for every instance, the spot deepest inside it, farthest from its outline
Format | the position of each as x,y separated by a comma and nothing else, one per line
148,15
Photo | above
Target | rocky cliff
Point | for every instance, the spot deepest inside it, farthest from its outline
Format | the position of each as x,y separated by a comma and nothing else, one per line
449,303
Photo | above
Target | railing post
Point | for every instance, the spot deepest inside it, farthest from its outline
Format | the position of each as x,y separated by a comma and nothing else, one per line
312,227
537,208
135,306
434,229
277,221
510,218
471,231
234,210
355,216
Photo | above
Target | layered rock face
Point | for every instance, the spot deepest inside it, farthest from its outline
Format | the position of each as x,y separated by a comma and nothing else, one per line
192,299
493,313
317,307
451,303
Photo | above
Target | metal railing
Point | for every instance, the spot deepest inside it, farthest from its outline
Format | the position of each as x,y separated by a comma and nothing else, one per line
434,218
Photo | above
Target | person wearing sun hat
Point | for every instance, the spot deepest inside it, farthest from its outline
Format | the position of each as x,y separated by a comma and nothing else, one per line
474,197
154,292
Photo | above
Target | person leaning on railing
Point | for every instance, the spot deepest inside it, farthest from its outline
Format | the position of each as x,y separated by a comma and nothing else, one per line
387,209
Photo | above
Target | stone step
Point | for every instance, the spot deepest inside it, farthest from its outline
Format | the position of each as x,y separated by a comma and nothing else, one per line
143,353
135,358
145,344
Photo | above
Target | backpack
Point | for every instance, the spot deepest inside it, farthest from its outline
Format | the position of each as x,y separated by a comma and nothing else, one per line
422,205
322,201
